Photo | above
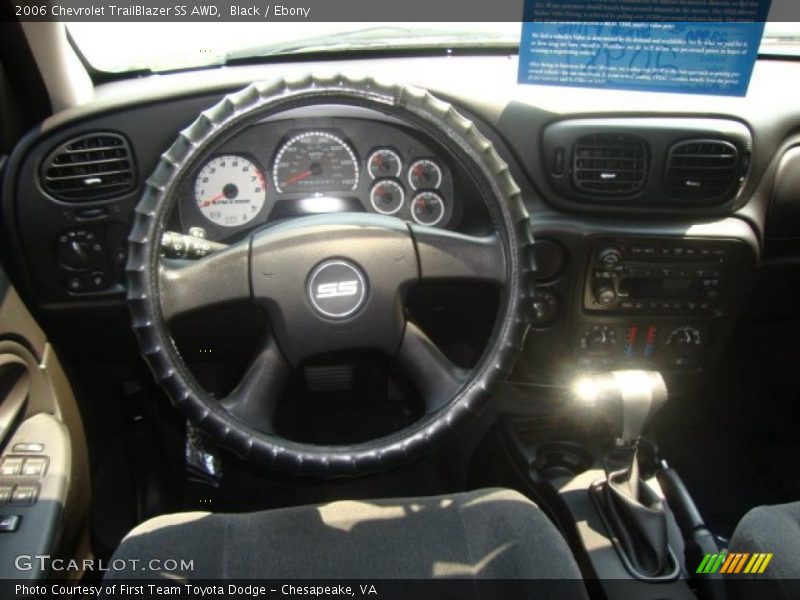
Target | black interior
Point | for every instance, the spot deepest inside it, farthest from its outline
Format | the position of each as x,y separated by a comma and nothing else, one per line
701,287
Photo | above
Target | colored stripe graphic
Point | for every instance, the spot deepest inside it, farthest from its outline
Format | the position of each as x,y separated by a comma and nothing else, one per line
735,563
763,566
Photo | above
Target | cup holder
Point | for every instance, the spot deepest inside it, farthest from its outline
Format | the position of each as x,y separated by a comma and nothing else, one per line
562,459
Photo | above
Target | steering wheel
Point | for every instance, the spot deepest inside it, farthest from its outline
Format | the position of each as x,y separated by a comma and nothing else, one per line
331,283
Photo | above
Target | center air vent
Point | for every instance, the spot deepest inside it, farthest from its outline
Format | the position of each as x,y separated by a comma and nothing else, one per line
609,164
90,167
702,169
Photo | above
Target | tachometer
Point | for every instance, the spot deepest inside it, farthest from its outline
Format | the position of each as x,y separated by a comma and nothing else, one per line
230,190
315,161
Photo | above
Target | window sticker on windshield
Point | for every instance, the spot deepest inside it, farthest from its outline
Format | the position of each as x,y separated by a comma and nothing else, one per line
665,46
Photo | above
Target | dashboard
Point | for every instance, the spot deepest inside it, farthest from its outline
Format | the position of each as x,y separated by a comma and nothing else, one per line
655,216
306,164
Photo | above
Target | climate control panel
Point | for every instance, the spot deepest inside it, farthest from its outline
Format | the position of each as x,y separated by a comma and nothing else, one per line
675,346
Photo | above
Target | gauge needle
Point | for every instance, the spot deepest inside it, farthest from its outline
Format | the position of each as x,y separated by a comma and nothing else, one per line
298,177
213,200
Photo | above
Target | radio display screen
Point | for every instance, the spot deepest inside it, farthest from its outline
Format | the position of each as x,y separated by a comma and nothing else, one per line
667,289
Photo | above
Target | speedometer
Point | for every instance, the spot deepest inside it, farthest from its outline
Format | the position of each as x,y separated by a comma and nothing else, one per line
230,190
315,161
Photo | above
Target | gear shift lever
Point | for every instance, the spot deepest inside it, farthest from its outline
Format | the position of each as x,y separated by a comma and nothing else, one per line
633,395
634,512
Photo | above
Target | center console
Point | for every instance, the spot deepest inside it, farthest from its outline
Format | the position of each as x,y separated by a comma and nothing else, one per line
630,521
654,297
635,295
653,301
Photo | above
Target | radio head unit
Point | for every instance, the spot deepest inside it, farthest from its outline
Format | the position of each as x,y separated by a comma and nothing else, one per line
664,277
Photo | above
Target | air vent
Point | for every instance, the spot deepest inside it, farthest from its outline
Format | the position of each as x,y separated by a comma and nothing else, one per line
609,164
702,169
90,167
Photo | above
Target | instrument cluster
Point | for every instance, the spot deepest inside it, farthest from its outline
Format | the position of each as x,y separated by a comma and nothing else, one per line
282,169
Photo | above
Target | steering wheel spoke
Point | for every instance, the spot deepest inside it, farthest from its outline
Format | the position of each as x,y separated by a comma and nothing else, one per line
435,376
221,277
255,399
445,254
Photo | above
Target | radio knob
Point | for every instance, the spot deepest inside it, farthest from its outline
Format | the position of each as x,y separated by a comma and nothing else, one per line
606,296
609,258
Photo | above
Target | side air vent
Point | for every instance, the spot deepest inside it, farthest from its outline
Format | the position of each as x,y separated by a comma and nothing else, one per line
702,169
90,167
609,164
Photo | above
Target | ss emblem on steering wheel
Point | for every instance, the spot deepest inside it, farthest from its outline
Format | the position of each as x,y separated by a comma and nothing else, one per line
337,289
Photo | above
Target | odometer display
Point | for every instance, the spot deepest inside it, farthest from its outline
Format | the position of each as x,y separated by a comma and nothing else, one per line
315,162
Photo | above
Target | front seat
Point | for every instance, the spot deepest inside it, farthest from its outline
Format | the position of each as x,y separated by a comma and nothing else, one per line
771,530
484,534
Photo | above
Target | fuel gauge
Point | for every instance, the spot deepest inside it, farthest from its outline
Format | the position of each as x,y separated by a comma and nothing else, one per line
427,208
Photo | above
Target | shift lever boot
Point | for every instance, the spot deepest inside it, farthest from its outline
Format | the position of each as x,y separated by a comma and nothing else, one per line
637,515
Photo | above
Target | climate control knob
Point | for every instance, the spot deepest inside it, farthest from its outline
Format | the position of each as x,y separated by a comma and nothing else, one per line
684,338
684,347
600,339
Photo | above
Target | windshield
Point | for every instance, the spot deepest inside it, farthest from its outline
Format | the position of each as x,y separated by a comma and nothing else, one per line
123,47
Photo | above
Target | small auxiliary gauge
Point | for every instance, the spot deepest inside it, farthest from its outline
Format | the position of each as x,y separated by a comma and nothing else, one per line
384,162
387,196
424,175
427,208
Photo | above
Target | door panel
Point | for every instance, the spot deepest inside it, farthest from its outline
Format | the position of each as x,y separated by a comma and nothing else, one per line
44,469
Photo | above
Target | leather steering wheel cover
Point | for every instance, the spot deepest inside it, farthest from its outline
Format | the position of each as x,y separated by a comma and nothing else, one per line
201,408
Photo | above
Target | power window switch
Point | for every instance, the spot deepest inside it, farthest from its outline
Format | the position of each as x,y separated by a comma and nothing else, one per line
5,493
11,465
24,495
9,523
34,467
27,447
